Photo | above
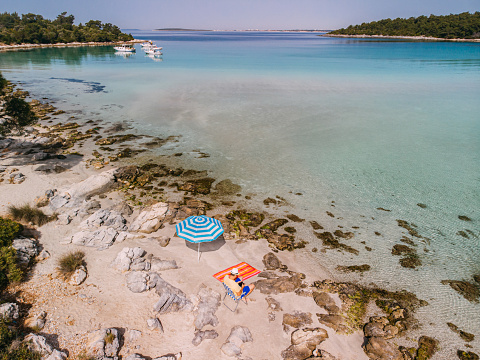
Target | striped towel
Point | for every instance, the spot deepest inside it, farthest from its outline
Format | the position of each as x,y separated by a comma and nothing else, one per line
244,270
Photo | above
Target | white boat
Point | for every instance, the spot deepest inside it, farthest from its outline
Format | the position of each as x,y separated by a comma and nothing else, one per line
154,51
125,48
147,44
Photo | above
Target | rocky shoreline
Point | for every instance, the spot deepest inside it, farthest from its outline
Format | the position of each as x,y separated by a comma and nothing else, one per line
5,47
142,292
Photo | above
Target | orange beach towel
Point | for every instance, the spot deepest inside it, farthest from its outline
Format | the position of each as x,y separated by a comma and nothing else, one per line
244,270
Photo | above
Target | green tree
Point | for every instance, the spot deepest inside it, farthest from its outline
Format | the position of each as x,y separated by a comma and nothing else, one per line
20,115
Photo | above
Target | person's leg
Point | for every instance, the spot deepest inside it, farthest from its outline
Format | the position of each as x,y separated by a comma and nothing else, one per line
248,289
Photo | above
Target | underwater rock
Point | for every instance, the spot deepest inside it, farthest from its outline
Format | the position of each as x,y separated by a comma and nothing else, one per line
331,242
275,224
316,225
295,218
464,335
402,250
464,218
197,186
227,187
469,291
464,355
354,268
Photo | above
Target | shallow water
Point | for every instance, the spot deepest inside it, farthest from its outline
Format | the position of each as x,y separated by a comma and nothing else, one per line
364,123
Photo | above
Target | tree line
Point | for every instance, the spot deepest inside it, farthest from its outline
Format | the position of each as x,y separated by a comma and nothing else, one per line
459,26
34,29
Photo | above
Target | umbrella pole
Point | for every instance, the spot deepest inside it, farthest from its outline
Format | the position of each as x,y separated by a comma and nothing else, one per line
198,252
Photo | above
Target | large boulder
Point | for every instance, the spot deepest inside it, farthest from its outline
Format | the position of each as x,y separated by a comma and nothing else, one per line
171,299
205,311
303,343
26,249
103,217
378,348
138,281
94,185
125,258
100,239
271,261
150,219
78,276
238,336
325,301
281,284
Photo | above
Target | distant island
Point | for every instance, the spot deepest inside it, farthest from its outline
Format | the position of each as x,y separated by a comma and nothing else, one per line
179,29
34,29
460,26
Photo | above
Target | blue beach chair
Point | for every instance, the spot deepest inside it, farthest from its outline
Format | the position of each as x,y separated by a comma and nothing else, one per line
235,298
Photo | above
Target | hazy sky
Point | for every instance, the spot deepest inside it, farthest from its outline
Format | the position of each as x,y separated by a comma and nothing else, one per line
238,14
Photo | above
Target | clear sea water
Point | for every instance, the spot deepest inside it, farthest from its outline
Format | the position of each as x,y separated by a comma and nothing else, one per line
363,123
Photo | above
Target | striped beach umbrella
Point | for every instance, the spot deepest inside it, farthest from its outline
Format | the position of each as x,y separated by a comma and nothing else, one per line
198,229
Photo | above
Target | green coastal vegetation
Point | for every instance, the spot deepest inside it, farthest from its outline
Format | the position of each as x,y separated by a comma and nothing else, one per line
18,112
34,29
459,26
11,272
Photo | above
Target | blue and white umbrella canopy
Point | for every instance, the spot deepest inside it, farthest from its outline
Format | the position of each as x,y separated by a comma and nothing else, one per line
198,229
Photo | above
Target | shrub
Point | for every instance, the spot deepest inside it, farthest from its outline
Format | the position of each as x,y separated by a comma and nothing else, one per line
21,115
29,214
68,263
9,269
84,356
8,231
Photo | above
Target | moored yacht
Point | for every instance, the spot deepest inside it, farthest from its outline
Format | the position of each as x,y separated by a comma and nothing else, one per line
125,48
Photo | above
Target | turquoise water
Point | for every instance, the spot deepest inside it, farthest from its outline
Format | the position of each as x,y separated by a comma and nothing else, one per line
364,123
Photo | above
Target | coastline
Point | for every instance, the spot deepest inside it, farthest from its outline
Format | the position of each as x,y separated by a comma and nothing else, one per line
4,47
244,247
425,38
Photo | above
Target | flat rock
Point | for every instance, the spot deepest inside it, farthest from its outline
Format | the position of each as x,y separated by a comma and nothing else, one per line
271,261
39,343
107,218
202,335
138,281
171,299
336,322
238,336
101,239
150,219
325,301
297,319
303,343
206,308
378,348
278,285
94,185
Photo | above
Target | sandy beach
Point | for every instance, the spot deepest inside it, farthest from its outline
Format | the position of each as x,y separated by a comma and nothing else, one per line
297,311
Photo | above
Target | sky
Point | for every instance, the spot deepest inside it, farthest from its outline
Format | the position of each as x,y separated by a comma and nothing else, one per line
237,14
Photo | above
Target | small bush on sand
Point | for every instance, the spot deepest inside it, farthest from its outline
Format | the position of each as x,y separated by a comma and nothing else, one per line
8,230
70,262
29,214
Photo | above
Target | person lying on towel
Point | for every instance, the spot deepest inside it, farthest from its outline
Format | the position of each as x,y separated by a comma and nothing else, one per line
235,283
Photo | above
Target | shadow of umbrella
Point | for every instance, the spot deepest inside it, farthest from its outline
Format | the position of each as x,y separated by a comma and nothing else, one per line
207,246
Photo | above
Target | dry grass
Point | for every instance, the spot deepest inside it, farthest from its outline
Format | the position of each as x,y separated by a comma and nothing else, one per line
70,262
30,214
